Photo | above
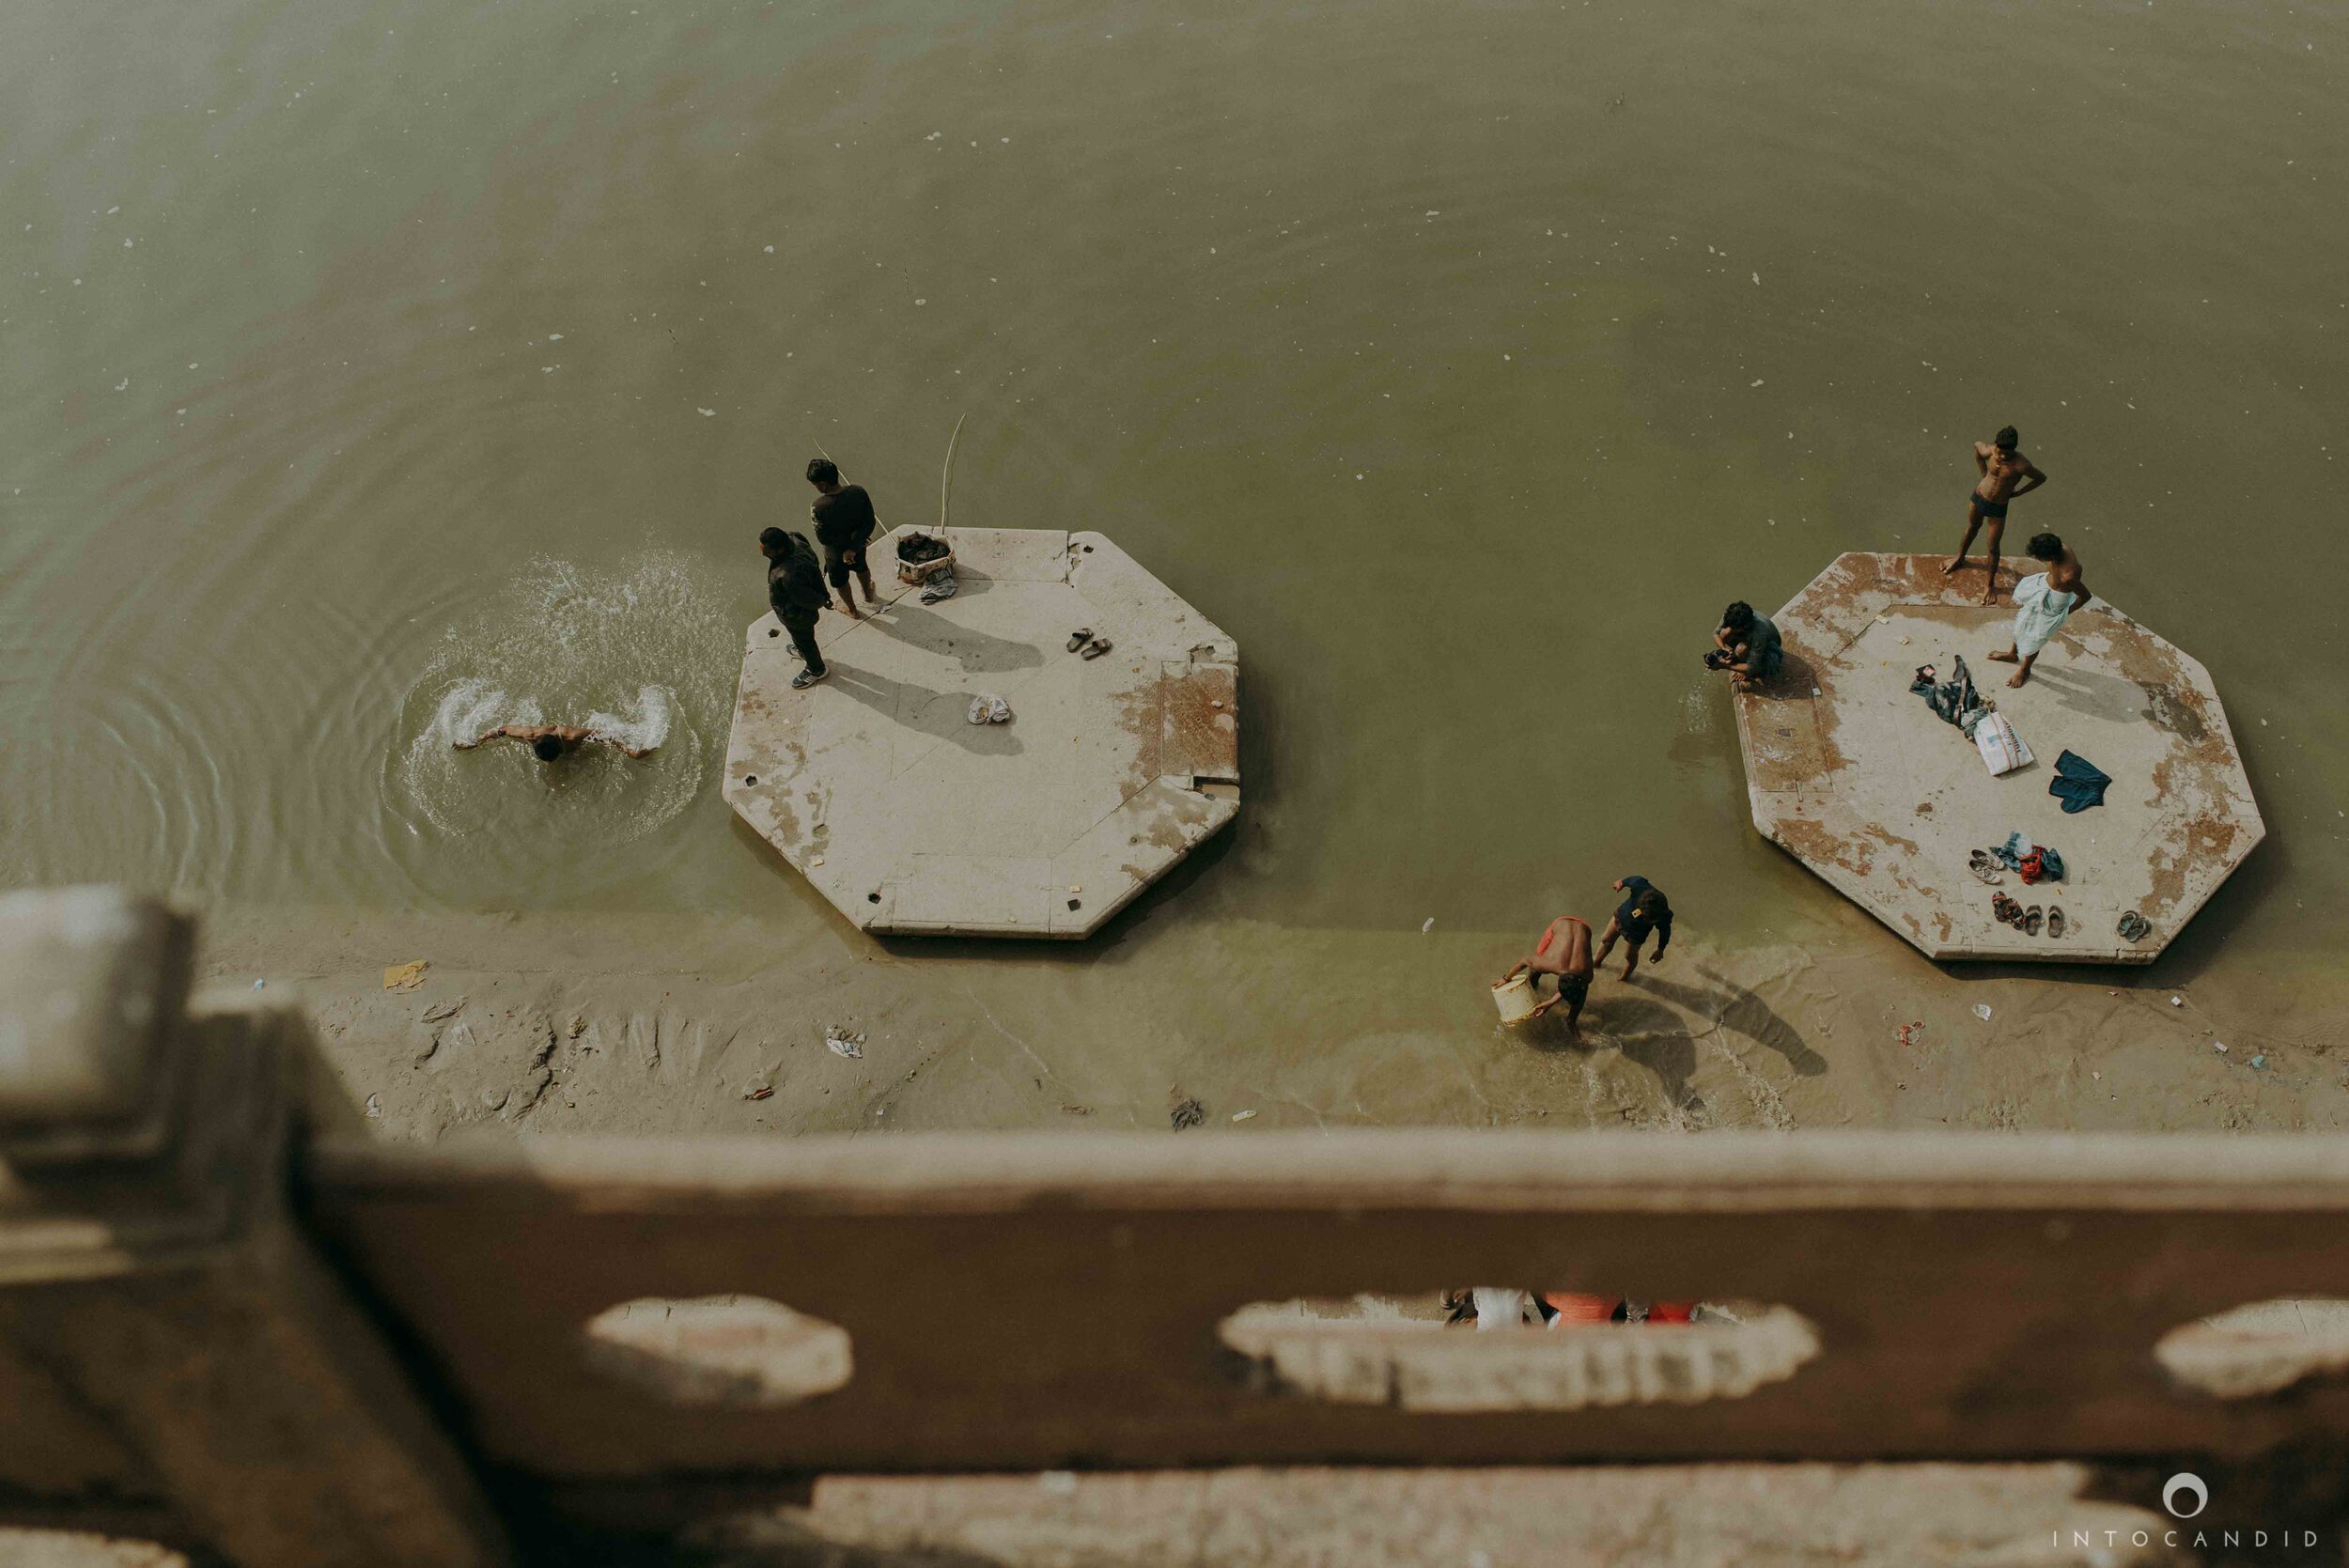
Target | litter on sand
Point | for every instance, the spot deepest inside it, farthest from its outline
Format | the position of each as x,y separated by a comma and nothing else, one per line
375,1105
444,1010
405,977
2219,1046
1981,1011
841,1043
988,708
1242,1115
760,1093
1187,1114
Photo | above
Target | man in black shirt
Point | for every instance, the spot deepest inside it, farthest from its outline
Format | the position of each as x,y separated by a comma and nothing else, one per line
795,586
1644,909
845,524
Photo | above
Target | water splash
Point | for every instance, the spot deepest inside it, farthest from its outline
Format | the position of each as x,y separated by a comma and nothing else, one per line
640,652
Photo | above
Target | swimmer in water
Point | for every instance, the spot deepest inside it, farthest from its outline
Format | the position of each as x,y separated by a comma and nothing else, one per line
549,741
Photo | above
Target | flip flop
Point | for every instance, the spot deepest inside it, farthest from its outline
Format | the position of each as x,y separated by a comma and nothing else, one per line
2030,920
1079,638
1095,649
2056,923
2134,927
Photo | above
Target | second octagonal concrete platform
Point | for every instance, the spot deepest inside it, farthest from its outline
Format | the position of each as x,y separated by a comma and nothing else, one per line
910,820
1852,773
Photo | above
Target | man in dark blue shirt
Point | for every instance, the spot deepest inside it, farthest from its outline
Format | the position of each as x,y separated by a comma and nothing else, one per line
1644,909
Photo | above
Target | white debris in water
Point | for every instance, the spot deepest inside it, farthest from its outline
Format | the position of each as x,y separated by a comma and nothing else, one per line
110,213
708,414
127,242
1757,383
554,337
920,301
1426,925
770,249
1757,280
123,385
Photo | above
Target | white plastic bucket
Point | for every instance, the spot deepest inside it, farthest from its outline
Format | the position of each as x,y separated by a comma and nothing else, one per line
1514,998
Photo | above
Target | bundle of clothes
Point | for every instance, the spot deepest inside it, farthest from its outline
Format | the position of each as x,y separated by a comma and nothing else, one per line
2032,862
915,551
1955,700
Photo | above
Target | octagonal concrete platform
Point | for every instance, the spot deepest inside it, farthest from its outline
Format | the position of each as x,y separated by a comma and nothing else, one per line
910,820
1855,776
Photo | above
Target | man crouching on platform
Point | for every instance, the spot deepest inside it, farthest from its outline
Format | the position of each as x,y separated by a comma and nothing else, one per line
1746,645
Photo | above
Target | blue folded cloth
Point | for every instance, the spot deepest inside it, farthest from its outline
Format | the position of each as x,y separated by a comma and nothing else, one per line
2078,783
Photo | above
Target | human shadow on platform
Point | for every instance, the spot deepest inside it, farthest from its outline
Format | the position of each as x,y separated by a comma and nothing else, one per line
1733,1007
1795,681
980,653
911,706
2106,699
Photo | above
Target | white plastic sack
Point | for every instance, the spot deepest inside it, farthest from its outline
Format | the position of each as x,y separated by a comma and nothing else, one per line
2002,749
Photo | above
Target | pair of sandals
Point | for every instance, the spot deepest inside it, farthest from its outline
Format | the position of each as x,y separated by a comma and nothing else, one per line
1086,645
2029,921
2134,927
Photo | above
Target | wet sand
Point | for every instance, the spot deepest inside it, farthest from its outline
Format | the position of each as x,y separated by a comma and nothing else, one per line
529,1024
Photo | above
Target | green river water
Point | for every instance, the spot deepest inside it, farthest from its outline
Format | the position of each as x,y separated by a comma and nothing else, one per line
367,366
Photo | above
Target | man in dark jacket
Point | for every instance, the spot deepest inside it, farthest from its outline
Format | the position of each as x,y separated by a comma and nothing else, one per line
845,526
1643,911
795,586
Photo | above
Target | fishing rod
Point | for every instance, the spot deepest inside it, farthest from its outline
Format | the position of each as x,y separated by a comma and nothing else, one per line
946,480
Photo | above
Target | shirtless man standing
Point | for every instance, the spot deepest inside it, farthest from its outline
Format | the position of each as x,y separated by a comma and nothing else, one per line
1565,952
549,741
2043,603
2005,474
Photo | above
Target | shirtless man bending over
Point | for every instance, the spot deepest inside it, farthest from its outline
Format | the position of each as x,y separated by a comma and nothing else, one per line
549,741
2005,474
1565,952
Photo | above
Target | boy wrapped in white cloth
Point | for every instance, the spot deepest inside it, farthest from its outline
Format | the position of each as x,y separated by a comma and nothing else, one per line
2043,603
